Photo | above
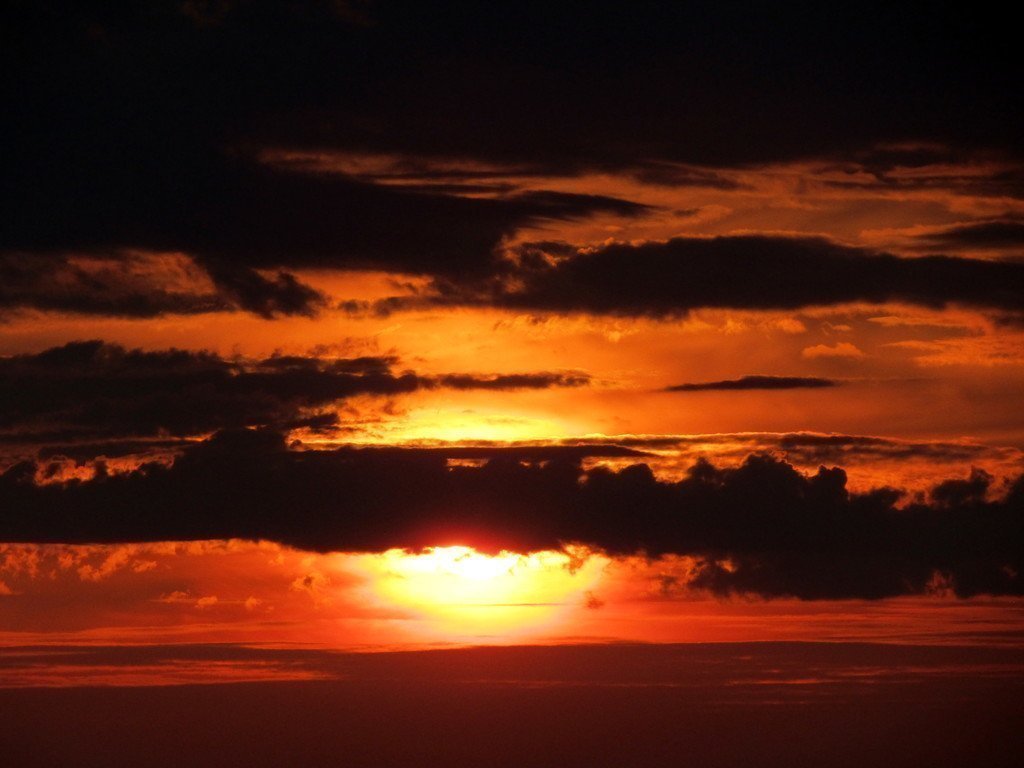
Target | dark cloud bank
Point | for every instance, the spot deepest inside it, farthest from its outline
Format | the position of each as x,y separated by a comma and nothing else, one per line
658,279
94,390
985,235
755,382
141,127
762,528
546,84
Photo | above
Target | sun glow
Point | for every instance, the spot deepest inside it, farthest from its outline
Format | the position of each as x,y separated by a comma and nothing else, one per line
475,424
459,592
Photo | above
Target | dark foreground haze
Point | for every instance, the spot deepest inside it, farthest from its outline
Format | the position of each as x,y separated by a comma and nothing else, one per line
718,704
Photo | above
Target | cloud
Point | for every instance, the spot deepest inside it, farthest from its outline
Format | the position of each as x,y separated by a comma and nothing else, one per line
116,284
830,447
871,461
781,532
178,596
303,75
917,463
260,221
986,234
267,297
669,278
94,392
843,349
511,381
143,284
145,129
755,382
834,446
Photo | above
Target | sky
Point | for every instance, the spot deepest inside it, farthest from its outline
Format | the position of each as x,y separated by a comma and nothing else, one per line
386,327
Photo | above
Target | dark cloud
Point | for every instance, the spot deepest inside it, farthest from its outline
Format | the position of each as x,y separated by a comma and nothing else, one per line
143,127
755,382
986,234
282,294
543,85
881,161
139,130
760,528
511,381
237,219
269,219
661,279
85,452
547,85
887,172
92,390
114,284
131,284
809,448
1011,320
516,452
801,448
675,175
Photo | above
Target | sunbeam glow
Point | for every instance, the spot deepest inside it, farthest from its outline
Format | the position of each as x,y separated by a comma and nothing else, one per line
462,592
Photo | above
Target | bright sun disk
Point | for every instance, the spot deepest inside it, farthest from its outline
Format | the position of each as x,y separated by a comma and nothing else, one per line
458,591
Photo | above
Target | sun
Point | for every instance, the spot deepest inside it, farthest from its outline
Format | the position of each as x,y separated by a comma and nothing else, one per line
464,563
457,592
480,423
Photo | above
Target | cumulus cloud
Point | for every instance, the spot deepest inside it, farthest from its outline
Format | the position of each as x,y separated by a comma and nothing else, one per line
781,532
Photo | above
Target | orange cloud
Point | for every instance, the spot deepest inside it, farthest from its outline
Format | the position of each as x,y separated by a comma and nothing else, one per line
842,349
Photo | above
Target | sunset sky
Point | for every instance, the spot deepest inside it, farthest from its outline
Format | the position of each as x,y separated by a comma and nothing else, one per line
367,329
